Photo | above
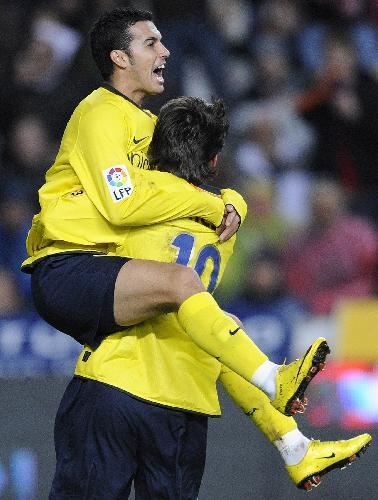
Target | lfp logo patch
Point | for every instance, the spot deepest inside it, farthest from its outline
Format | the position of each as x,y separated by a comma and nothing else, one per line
119,182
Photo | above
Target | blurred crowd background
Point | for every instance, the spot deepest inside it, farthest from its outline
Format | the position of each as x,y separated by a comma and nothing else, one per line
300,82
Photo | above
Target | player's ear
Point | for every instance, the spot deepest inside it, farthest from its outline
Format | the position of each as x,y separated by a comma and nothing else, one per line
213,161
119,58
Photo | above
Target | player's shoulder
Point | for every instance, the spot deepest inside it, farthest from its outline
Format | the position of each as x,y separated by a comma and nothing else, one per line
98,107
101,100
103,108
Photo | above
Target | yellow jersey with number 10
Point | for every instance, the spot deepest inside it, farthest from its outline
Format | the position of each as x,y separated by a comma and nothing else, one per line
156,360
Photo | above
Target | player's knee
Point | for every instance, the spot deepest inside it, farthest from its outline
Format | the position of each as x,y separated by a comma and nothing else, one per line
184,283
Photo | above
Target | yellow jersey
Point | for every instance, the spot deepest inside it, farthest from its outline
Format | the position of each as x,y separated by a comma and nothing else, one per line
100,182
156,360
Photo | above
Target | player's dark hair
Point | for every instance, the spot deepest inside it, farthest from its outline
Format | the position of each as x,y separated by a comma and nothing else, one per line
189,133
111,32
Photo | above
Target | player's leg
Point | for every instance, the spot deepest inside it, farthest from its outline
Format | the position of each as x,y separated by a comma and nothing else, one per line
221,336
173,452
305,460
146,288
96,442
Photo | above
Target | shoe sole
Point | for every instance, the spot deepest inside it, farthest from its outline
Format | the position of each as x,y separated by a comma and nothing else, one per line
297,403
314,480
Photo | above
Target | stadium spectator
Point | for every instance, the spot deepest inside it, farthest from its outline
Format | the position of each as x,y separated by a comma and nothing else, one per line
191,34
273,44
11,303
334,258
276,145
15,216
50,50
343,109
355,20
263,227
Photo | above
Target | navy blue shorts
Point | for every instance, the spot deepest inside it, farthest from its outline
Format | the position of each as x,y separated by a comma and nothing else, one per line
105,439
74,292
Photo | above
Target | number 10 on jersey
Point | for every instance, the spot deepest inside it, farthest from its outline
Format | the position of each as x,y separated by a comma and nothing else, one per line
184,242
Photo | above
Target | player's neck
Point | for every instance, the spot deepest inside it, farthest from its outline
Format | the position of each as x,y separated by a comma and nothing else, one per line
134,95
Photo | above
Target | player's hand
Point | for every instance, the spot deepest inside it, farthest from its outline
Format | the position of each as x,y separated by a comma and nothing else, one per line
229,225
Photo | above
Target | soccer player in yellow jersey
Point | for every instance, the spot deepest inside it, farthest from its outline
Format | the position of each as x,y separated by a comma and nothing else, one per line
98,186
137,407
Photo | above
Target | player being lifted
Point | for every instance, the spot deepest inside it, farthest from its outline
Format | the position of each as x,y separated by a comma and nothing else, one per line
137,407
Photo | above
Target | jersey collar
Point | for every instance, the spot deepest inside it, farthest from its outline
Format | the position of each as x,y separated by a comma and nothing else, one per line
109,87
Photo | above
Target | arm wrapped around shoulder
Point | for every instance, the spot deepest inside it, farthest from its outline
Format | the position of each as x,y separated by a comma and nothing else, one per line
231,197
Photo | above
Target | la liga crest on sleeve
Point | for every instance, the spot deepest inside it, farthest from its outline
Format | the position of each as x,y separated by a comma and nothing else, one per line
119,182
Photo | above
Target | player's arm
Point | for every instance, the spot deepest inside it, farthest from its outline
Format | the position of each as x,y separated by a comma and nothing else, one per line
149,197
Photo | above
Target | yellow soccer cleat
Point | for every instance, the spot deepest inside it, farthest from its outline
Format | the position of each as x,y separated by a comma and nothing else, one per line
323,457
293,379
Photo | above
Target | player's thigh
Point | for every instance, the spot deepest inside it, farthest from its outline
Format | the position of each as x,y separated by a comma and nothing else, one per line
174,452
74,292
96,442
146,288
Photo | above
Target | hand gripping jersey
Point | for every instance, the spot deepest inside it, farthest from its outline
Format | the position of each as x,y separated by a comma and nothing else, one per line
100,182
156,360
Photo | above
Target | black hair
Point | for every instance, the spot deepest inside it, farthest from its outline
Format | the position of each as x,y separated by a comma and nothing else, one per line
112,31
189,133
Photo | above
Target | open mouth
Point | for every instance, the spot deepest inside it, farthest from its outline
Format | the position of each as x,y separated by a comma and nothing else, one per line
159,73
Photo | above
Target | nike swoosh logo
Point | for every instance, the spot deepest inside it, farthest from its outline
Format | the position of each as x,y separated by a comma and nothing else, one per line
303,360
137,141
232,332
331,456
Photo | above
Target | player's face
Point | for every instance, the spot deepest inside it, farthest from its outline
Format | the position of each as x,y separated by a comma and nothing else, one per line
147,61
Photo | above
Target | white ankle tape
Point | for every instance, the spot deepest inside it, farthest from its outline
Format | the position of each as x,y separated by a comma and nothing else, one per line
265,378
292,446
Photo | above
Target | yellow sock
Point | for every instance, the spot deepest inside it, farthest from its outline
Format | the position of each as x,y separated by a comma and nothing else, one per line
219,335
256,405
